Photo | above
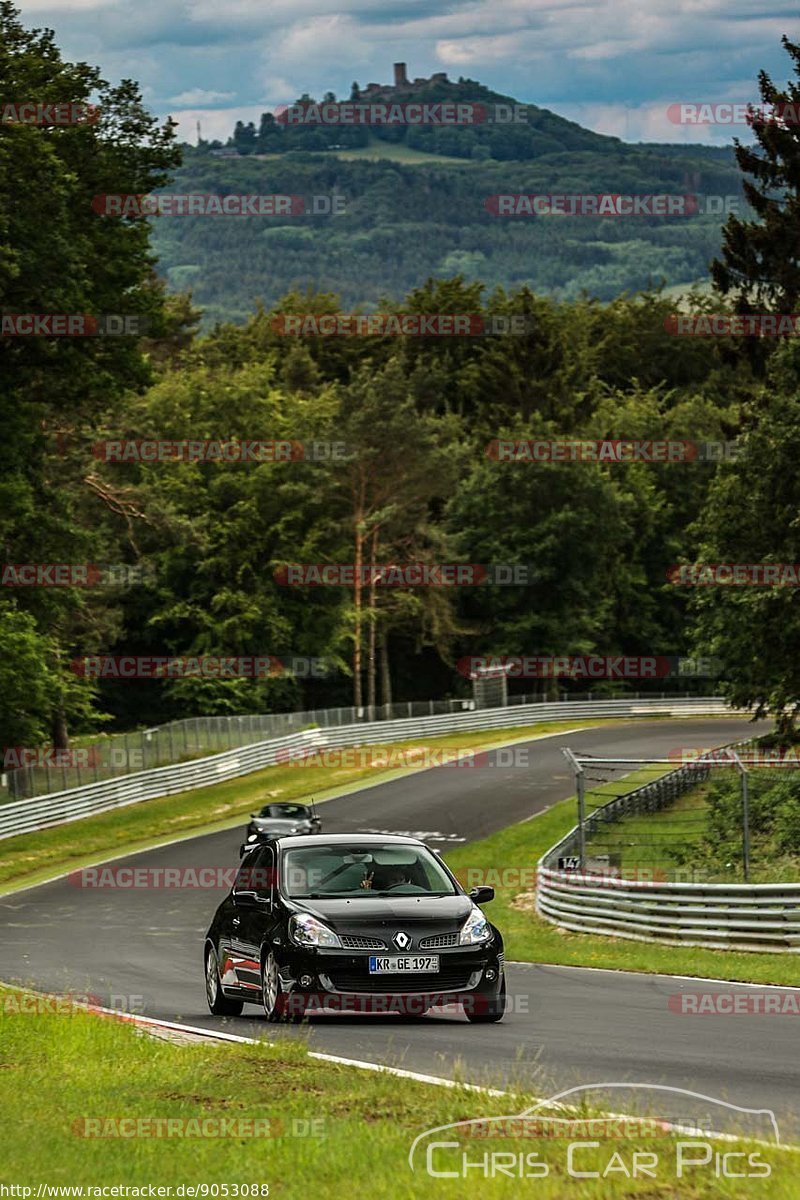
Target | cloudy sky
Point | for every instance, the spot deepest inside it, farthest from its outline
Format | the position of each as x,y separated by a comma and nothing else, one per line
613,65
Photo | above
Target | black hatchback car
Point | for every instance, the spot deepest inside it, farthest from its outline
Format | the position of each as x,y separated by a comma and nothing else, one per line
352,922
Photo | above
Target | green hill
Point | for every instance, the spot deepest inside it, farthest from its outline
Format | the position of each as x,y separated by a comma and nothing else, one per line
417,203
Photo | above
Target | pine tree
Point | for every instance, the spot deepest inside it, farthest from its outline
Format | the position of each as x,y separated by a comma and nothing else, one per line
760,265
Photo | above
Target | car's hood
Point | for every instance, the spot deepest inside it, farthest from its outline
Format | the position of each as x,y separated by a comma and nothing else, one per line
372,911
279,824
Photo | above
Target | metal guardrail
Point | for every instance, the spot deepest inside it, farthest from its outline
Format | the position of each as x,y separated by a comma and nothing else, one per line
718,916
57,808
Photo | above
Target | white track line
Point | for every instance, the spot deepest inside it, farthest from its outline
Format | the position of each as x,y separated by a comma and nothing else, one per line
782,987
158,1023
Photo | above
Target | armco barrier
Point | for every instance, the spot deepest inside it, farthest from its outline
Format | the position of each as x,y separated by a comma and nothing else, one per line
57,808
719,916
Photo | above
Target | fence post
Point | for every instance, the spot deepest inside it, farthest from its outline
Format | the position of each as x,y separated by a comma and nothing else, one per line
581,817
580,788
745,814
745,825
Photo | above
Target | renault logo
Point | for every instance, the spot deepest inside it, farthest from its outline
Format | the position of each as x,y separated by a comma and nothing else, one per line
402,940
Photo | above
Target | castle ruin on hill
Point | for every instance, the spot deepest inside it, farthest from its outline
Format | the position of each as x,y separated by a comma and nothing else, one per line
402,84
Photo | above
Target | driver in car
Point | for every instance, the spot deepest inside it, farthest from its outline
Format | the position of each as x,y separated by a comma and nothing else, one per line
390,878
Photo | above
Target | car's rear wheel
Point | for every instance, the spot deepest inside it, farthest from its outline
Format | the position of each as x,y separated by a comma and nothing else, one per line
218,1003
482,1009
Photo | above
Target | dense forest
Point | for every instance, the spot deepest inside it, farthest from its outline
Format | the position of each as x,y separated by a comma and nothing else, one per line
403,222
417,482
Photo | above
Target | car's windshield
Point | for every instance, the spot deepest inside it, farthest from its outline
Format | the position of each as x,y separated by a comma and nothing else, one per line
287,811
363,871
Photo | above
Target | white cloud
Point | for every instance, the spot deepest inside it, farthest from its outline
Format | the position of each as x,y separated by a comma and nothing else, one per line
196,54
200,96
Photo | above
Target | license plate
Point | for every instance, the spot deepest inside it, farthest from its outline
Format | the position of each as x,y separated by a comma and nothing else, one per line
408,963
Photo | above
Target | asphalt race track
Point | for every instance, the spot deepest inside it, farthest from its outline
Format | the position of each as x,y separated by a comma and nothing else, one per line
567,1026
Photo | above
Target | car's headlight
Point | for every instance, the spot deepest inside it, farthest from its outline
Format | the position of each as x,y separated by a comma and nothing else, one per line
475,929
305,930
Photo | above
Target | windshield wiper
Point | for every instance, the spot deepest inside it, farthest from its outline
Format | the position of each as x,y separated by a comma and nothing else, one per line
407,895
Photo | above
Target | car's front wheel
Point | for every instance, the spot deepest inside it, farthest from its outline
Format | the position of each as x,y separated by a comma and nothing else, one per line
484,1009
277,1004
218,1003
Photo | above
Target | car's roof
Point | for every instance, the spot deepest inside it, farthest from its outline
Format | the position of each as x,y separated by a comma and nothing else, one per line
349,839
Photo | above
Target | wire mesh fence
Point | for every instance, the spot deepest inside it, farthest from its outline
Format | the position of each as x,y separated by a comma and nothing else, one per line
720,816
193,737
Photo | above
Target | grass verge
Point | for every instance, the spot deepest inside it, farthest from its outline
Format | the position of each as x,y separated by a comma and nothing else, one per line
33,857
71,1084
507,861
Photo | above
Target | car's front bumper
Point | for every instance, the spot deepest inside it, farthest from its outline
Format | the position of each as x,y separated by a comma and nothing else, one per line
339,979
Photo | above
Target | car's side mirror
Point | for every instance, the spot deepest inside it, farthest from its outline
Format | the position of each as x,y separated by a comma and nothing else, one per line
482,895
251,900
